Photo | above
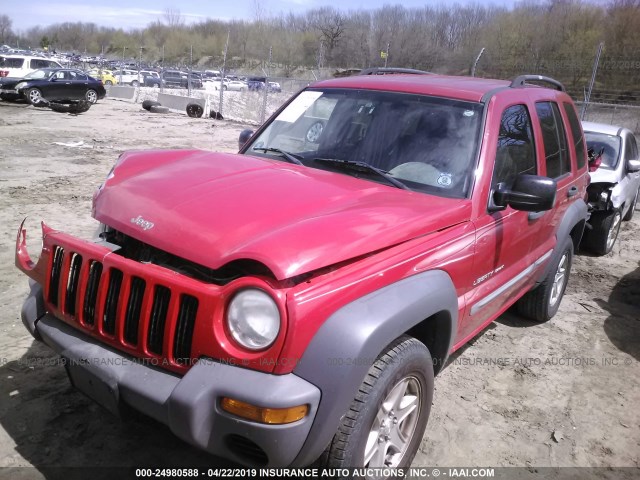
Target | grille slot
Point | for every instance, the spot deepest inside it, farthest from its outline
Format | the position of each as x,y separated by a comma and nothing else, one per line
72,284
159,310
184,329
111,305
132,318
54,278
91,293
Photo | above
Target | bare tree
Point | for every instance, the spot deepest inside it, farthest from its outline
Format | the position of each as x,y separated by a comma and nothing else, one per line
173,18
5,28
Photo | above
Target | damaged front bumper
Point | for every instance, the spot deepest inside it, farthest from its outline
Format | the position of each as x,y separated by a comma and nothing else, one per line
189,404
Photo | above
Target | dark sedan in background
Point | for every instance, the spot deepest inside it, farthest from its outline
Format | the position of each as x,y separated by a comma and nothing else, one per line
52,84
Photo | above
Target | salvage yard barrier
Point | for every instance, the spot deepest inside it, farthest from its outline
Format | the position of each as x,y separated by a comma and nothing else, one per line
178,102
125,93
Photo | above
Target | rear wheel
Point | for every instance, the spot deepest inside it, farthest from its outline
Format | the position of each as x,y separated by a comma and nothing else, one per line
385,423
134,83
542,303
108,82
34,95
604,232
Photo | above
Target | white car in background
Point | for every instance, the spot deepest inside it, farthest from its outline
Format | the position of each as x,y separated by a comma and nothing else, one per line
129,77
615,183
237,85
18,66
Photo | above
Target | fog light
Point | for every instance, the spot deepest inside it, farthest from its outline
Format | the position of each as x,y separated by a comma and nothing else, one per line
264,415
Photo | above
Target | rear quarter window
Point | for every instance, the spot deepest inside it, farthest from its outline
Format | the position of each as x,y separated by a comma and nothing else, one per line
576,132
11,62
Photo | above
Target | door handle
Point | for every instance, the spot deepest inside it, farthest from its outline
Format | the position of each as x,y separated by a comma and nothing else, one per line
572,191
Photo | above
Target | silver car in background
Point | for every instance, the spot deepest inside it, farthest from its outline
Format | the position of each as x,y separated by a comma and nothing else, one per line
613,193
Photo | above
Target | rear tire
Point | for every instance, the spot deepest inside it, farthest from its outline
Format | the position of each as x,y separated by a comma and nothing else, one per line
606,226
386,421
91,96
542,303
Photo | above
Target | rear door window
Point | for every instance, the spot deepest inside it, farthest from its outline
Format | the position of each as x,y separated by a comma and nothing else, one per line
554,138
576,133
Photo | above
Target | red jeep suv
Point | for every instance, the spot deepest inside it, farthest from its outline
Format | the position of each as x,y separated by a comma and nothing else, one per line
292,303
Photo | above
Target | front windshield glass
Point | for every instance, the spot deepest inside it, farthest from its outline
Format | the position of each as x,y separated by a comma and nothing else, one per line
611,145
427,143
38,74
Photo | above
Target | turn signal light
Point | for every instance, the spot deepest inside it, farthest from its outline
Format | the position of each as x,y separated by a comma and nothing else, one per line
272,416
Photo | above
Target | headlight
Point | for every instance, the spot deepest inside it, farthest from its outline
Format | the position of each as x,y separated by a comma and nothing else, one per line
253,319
20,85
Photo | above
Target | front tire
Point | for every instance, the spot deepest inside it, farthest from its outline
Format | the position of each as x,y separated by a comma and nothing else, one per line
134,83
108,82
34,95
542,303
603,235
386,421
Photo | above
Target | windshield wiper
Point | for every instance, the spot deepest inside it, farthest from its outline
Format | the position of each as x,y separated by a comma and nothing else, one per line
289,156
362,167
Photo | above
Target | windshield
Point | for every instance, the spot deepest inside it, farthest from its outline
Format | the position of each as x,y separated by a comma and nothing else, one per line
38,74
428,143
611,145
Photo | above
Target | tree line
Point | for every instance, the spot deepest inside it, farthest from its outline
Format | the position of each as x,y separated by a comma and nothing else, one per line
558,37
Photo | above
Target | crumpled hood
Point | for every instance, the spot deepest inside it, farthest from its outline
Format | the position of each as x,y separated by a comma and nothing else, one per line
604,175
213,208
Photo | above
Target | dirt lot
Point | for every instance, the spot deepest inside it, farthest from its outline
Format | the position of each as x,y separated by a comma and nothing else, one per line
561,394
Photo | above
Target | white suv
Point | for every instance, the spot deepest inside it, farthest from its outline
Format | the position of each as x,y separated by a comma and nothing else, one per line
20,65
129,77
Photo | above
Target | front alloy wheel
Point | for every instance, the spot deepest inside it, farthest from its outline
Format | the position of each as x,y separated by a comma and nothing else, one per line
394,425
559,279
386,421
34,95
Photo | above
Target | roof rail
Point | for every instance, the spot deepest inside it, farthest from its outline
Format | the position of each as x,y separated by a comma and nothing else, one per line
392,70
521,81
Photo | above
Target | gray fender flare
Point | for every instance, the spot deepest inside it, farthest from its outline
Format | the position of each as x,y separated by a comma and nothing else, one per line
339,356
576,213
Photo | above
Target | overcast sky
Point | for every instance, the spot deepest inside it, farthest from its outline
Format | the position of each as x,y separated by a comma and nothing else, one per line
138,13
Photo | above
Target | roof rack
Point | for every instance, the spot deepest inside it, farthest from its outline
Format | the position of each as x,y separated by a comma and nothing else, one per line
391,71
521,81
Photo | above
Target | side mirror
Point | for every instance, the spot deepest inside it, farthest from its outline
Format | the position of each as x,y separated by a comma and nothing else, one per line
245,135
633,166
529,193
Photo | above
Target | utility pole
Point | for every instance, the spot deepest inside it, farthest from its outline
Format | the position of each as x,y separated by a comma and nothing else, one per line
122,66
263,113
386,57
223,72
190,71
